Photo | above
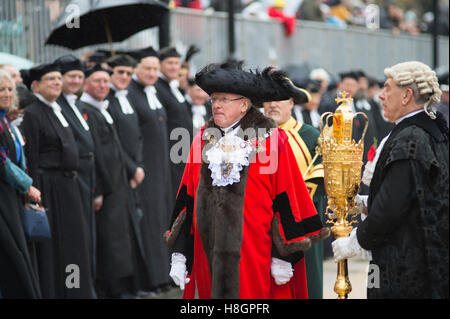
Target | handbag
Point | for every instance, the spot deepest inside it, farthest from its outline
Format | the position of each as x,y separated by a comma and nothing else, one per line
35,223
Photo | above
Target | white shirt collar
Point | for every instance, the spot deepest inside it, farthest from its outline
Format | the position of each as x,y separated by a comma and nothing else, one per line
101,105
408,115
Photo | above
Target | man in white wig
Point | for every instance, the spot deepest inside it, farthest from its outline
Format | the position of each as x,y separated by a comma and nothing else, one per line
406,228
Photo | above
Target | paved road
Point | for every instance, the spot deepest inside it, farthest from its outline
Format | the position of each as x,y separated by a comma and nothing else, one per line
357,273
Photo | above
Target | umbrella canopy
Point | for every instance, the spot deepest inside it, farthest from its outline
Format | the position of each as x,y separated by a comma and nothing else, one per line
102,21
16,61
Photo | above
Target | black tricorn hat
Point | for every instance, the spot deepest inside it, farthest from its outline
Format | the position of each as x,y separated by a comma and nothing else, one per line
95,68
68,63
259,87
121,60
37,72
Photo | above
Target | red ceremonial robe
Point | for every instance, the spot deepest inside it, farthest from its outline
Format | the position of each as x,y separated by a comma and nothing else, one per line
277,213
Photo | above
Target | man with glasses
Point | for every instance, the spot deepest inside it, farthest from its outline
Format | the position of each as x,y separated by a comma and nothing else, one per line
53,160
242,210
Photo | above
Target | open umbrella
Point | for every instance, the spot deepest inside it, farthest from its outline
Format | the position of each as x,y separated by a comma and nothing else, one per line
87,22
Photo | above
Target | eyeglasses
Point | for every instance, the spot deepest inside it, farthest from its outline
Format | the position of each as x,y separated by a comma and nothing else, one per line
124,72
223,100
52,78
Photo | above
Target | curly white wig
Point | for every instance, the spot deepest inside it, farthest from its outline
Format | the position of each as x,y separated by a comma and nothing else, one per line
411,73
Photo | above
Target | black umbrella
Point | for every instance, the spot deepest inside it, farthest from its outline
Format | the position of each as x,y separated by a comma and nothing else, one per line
104,21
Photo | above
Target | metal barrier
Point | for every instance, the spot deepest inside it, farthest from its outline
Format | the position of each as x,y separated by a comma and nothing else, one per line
25,24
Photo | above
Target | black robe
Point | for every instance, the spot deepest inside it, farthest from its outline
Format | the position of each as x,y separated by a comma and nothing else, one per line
52,156
86,171
114,242
177,117
154,192
17,277
407,224
130,137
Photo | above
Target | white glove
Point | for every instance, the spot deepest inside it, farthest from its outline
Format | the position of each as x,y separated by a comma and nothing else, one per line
347,247
361,202
178,270
281,271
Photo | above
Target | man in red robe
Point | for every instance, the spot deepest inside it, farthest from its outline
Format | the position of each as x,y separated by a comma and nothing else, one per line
243,213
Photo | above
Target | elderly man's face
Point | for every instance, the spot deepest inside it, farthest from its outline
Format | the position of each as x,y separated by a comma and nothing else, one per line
121,76
147,70
97,85
72,81
49,86
279,111
391,97
228,108
170,67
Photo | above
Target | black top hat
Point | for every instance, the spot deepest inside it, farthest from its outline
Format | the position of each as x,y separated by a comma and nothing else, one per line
121,60
68,63
37,72
168,52
88,72
270,85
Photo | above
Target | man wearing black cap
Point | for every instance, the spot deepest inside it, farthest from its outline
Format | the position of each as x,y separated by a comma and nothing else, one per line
241,192
178,116
73,77
53,161
113,204
126,122
155,189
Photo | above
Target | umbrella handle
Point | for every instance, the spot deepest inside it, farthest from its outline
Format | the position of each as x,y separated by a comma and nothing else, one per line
108,34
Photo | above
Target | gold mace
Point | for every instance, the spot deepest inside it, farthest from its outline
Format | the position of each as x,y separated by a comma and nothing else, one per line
342,161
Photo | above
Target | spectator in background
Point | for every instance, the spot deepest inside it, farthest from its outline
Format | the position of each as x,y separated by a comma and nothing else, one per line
276,12
310,10
192,4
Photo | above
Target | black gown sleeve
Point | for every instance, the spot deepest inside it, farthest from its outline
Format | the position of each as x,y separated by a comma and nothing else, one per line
390,207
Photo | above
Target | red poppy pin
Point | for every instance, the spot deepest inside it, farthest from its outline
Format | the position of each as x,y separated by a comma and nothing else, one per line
372,150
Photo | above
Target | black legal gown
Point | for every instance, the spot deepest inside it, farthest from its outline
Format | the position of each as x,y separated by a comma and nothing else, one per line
86,172
52,156
154,192
17,277
113,229
129,134
177,117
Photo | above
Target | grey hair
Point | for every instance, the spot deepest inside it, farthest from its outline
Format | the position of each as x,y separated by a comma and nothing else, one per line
5,76
422,81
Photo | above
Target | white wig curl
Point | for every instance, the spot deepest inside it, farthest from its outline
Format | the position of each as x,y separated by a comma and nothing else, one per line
408,73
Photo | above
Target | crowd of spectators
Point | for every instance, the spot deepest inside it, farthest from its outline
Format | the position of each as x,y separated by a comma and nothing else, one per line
402,17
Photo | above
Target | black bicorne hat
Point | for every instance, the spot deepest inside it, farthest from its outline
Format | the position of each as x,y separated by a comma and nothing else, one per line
259,87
